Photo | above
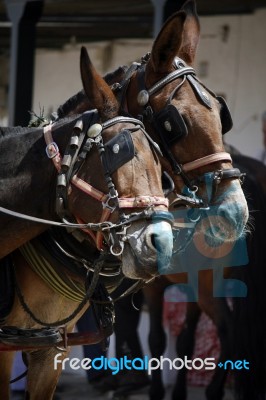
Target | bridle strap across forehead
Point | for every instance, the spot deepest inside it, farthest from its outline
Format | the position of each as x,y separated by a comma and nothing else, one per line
169,78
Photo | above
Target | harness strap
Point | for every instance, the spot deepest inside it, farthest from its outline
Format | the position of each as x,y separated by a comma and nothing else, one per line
86,230
120,88
65,224
201,162
99,235
52,150
169,78
88,189
59,281
124,202
97,238
232,173
143,201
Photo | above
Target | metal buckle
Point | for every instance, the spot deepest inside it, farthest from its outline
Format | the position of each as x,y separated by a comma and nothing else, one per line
121,244
217,176
106,204
52,150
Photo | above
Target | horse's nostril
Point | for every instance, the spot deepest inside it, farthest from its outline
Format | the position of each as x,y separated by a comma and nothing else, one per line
150,240
161,241
153,240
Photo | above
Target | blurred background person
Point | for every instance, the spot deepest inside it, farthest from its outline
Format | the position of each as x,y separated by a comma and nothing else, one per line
261,155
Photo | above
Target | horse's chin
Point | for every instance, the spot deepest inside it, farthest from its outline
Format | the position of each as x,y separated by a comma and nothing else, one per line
133,269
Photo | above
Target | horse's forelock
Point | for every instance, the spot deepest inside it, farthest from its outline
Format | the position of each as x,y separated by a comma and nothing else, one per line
73,105
116,76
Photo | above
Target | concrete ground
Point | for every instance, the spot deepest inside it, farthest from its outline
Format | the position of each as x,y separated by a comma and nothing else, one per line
75,387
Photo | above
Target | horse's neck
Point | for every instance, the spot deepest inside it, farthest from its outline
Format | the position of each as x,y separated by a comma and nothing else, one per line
25,170
27,181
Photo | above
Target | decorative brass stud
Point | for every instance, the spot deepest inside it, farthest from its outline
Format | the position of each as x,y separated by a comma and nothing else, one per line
143,98
167,126
94,130
116,148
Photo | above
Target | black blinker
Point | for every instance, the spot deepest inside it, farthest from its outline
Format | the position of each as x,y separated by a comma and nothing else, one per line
170,125
225,115
118,151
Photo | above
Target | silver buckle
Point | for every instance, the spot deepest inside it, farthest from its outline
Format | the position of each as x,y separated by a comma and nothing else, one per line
52,150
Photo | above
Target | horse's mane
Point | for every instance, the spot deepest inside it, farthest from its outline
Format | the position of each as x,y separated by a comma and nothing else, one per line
71,104
80,98
19,130
111,77
10,131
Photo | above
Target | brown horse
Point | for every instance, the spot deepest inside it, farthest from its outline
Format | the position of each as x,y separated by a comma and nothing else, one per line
117,159
187,120
25,171
35,177
160,83
241,330
173,51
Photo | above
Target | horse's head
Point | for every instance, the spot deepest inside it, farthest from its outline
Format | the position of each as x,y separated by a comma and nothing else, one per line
188,120
122,176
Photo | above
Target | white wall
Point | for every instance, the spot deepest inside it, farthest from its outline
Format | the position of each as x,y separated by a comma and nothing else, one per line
57,75
3,90
236,69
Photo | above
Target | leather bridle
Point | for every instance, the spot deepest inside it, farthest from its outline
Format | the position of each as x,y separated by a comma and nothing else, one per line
187,73
87,133
68,168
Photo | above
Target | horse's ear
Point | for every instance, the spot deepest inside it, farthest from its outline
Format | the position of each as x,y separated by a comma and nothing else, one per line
179,36
167,43
191,33
99,93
